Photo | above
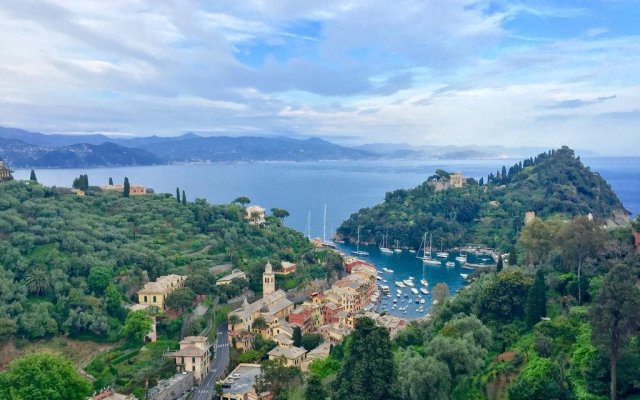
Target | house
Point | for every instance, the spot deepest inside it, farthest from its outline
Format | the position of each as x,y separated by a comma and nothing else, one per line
134,190
292,356
155,293
319,353
457,180
286,268
255,215
244,341
240,384
193,356
302,317
5,172
110,394
235,274
529,216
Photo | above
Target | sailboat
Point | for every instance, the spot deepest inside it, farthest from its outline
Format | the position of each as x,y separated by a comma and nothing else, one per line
462,258
426,256
397,249
325,242
384,247
442,253
358,251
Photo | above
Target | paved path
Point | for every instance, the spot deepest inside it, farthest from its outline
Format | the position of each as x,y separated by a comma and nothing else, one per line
206,390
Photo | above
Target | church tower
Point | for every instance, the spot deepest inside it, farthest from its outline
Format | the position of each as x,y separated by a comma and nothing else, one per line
268,280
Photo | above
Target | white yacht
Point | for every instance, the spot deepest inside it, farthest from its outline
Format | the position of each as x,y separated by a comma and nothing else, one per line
358,251
400,284
408,282
424,282
424,291
414,290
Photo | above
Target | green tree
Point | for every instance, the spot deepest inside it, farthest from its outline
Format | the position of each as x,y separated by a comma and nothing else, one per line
311,340
277,378
199,284
110,181
126,187
242,200
505,297
37,281
136,325
581,239
43,376
180,298
536,306
178,194
539,380
615,316
422,378
280,213
368,371
500,263
297,336
99,278
513,257
33,177
113,300
441,292
184,198
314,389
260,323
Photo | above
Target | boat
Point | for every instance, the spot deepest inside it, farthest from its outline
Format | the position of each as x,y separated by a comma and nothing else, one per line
426,257
462,258
357,251
385,289
411,278
424,291
414,290
400,284
423,301
379,278
384,246
408,282
464,276
424,282
387,270
442,253
397,250
435,302
412,251
325,242
450,264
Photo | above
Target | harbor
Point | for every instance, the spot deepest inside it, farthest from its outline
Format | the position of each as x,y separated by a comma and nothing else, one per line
406,282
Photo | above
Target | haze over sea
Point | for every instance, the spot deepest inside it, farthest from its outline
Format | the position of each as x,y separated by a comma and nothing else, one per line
344,186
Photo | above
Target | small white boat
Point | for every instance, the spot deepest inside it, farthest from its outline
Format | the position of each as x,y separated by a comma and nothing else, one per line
408,282
412,251
424,291
384,280
450,264
412,278
424,282
431,261
400,284
385,289
422,301
461,259
442,254
414,290
385,250
384,246
387,270
397,250
379,278
464,276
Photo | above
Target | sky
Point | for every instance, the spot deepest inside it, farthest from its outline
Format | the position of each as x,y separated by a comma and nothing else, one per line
422,72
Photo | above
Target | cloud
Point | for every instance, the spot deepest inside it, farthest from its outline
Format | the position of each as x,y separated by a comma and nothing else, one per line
575,103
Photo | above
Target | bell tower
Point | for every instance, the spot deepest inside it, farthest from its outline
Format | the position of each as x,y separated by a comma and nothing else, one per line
268,280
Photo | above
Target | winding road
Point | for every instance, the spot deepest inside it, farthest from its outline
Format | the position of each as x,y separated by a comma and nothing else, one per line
220,363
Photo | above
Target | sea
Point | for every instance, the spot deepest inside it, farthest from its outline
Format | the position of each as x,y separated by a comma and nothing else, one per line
343,187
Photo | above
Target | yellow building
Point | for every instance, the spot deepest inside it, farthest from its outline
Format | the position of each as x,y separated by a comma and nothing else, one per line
5,173
292,356
193,356
155,293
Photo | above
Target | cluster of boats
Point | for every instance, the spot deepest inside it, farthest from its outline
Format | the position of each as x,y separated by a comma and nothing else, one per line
403,300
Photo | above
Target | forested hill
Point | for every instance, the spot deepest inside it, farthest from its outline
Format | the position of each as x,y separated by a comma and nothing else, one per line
490,211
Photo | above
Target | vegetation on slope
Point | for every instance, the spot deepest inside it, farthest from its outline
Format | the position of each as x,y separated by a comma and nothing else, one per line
491,212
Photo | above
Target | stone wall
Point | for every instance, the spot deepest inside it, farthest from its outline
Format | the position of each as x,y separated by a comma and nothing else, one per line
172,388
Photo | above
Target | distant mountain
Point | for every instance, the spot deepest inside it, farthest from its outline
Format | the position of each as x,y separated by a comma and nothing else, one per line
40,139
19,154
249,148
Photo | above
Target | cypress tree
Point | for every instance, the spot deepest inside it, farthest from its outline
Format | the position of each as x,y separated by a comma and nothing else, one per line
500,263
184,198
513,257
126,187
314,390
110,181
297,336
178,194
33,176
536,300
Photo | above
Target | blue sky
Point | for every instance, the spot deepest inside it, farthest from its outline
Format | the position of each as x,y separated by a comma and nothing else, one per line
425,72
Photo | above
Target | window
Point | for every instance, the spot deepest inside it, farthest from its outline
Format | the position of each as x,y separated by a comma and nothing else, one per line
193,368
193,360
145,299
154,299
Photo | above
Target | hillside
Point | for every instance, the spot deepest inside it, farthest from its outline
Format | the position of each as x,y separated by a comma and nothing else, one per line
490,212
20,154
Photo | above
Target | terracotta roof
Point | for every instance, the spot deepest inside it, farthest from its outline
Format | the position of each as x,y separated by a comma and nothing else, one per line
290,353
190,351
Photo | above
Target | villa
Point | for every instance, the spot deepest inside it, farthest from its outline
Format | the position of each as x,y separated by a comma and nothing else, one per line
255,215
155,293
193,356
235,274
293,356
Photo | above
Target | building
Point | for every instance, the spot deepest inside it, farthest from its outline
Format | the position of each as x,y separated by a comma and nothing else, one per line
529,216
286,268
319,353
636,241
292,356
457,180
240,384
268,280
270,306
255,215
171,388
134,190
244,341
155,293
235,274
5,172
302,317
193,357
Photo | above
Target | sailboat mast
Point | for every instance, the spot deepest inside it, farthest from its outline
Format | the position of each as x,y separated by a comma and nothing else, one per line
324,225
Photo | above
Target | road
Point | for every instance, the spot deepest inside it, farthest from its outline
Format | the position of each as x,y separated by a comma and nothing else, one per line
220,362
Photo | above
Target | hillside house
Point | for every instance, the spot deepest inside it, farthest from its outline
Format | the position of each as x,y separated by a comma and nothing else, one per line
193,357
255,215
235,274
155,293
